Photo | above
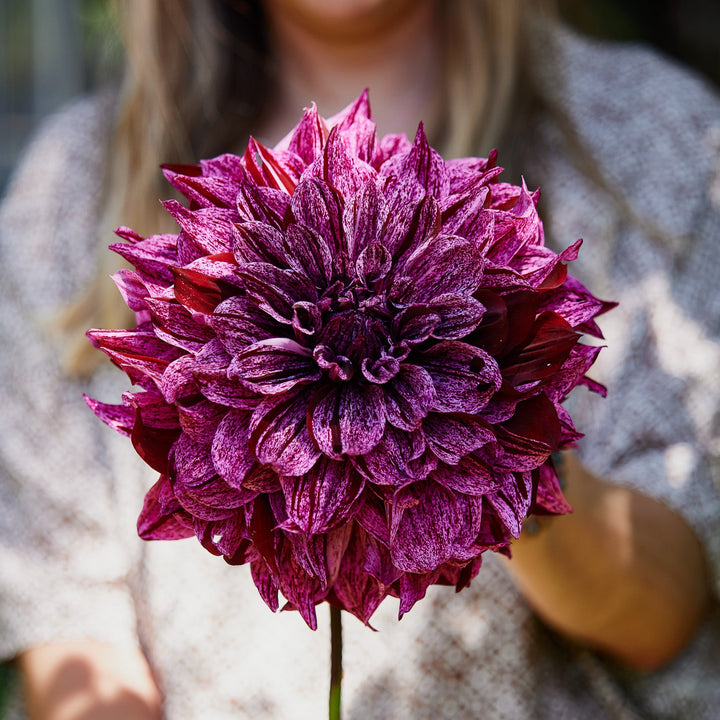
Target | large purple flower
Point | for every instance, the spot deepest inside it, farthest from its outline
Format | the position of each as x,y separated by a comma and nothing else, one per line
352,359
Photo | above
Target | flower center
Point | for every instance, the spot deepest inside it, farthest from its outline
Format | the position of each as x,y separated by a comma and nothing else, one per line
355,340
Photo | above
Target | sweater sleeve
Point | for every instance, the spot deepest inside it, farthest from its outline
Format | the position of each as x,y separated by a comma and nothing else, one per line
633,167
65,568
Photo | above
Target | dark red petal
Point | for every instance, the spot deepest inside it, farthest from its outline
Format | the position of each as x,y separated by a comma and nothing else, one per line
161,517
358,591
302,591
153,444
273,366
412,587
530,435
423,535
266,582
465,377
309,136
231,456
349,420
409,396
317,206
268,167
453,436
279,433
322,498
549,498
470,476
542,355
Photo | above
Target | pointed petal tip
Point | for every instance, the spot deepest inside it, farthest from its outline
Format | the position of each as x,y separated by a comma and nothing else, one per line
128,234
420,135
364,102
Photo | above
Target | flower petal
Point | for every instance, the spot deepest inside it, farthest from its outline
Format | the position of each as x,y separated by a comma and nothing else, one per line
151,257
162,517
340,169
308,138
210,229
200,419
238,322
279,433
458,315
310,254
511,504
423,535
276,290
409,396
465,377
274,365
317,206
362,218
453,436
230,455
322,498
348,419
176,326
257,241
386,463
358,591
266,204
446,264
470,476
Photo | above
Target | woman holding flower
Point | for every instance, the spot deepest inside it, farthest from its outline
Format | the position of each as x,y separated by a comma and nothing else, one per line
625,583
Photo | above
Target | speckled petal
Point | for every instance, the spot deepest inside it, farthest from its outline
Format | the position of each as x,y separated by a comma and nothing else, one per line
322,498
279,433
349,420
230,455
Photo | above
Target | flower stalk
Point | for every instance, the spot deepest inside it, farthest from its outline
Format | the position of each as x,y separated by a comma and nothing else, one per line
335,663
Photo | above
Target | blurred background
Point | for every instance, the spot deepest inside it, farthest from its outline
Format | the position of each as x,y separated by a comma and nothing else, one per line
53,50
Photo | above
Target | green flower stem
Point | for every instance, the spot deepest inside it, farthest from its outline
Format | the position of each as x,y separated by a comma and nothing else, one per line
335,663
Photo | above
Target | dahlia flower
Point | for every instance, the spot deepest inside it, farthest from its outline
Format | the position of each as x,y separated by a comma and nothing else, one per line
350,363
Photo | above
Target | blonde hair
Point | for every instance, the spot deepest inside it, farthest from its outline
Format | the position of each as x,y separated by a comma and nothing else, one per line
199,78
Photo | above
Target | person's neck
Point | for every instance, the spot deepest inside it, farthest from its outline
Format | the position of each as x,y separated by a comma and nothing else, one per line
402,66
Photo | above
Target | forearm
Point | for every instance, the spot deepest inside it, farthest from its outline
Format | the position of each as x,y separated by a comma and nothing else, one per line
88,681
623,573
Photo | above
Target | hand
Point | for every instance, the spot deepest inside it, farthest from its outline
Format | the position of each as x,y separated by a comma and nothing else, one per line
623,574
88,681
